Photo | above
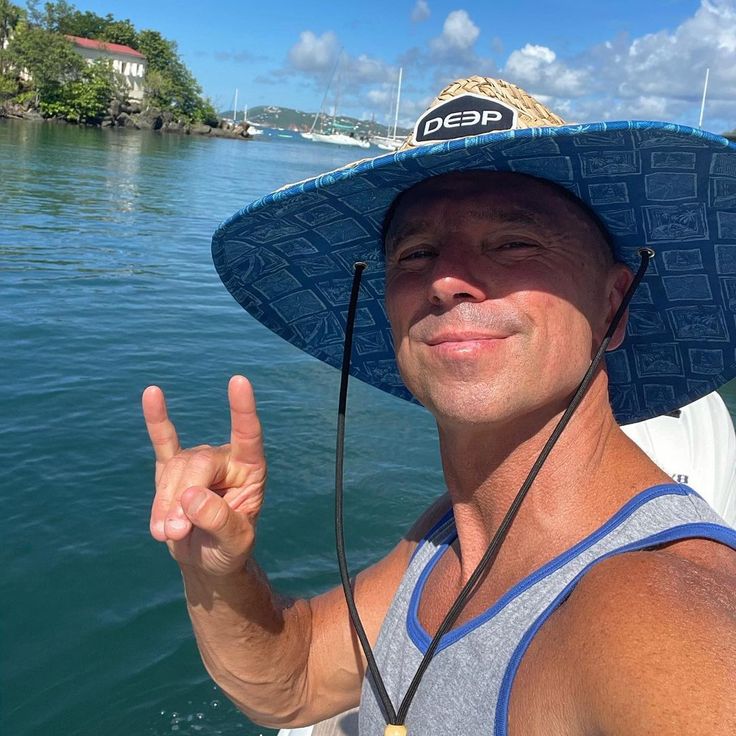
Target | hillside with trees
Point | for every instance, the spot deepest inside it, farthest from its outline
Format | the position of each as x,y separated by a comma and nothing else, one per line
40,70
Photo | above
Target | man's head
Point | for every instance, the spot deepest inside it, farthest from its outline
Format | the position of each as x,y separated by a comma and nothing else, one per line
499,288
289,257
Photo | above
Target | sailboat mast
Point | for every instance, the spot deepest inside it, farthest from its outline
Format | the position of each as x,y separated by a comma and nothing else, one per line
324,98
337,96
702,104
235,106
398,100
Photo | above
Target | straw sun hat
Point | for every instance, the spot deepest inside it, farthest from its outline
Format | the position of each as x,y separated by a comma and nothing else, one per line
288,257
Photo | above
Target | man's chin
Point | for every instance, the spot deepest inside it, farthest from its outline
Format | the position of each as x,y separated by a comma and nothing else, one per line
465,404
476,407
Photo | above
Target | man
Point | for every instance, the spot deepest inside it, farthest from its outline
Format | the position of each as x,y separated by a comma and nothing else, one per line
609,607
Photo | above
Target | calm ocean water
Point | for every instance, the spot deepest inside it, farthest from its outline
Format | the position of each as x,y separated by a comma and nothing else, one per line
106,286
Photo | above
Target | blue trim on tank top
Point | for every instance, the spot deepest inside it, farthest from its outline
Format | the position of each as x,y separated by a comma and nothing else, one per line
701,530
416,631
444,519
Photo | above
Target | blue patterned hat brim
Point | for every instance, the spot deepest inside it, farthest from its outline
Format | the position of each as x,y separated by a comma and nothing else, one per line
288,257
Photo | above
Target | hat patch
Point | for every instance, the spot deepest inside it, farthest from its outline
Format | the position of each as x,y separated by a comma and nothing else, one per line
463,116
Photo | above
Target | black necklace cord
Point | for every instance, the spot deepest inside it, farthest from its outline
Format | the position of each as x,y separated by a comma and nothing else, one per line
388,708
395,719
483,566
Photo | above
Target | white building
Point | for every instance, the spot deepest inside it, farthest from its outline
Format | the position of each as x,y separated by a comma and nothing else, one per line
128,62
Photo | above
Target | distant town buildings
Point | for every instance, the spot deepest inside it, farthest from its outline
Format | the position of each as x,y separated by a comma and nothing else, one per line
128,62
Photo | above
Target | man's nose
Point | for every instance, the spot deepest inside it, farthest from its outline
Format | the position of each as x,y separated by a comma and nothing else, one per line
452,280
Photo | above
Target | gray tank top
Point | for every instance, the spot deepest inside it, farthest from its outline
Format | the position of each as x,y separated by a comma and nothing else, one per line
467,685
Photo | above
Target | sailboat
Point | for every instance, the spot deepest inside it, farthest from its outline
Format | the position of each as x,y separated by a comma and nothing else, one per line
338,132
386,142
341,139
249,129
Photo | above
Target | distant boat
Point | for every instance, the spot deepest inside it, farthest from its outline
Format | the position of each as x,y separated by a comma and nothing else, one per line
249,128
386,142
334,134
340,139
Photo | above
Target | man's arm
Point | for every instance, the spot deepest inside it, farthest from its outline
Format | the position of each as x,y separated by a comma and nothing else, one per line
283,662
652,640
287,662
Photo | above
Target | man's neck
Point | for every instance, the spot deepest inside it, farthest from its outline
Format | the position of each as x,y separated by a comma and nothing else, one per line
591,472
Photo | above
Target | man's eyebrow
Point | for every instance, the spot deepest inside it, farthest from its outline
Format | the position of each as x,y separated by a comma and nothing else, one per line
520,217
414,227
406,230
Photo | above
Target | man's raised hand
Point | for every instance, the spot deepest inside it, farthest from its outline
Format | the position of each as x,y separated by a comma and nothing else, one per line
208,498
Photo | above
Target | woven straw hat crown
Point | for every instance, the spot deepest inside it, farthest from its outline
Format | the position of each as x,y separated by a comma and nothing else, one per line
531,113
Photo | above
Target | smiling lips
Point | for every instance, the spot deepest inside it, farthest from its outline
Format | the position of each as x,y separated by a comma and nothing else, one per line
462,344
455,338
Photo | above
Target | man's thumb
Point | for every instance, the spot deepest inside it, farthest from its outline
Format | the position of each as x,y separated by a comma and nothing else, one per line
211,513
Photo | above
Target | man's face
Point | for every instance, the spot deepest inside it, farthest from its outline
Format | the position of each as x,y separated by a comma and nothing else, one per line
499,290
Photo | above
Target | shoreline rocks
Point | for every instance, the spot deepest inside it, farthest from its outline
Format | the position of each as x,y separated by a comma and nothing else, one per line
132,115
16,111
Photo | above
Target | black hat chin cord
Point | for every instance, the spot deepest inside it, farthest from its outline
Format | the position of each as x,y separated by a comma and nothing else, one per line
396,719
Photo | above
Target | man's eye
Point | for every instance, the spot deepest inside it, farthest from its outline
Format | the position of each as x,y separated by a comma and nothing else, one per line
514,244
416,255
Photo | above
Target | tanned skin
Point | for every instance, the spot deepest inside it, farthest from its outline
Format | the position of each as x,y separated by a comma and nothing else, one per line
499,290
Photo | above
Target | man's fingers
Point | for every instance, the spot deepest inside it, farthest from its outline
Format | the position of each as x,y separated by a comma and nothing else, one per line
160,428
203,466
176,526
211,513
246,437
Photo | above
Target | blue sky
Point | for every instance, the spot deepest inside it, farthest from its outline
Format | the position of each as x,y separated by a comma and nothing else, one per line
643,59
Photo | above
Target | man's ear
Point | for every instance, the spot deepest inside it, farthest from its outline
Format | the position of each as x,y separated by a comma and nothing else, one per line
619,279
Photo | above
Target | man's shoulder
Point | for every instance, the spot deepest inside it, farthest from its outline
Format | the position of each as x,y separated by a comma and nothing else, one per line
689,575
652,637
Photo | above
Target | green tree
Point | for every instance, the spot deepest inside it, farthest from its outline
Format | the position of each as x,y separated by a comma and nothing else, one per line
86,25
169,84
66,19
120,31
52,17
48,57
60,77
10,16
87,98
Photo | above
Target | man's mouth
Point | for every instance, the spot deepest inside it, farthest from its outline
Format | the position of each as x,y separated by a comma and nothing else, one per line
459,337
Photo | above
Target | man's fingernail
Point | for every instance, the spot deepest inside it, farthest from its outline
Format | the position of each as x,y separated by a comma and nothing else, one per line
177,524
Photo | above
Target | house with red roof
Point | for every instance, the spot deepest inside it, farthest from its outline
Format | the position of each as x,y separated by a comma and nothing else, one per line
128,62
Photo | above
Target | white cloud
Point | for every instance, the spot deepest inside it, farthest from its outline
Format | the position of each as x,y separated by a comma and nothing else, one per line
312,53
674,63
315,57
364,69
657,76
449,56
660,75
459,33
420,12
653,76
538,69
379,98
